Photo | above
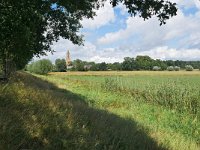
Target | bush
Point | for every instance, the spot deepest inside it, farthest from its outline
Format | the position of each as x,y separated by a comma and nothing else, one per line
40,67
170,68
189,68
176,68
60,65
156,68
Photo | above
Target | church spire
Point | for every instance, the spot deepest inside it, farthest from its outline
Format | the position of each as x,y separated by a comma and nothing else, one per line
68,59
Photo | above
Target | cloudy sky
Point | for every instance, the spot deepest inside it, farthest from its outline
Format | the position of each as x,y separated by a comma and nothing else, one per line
113,35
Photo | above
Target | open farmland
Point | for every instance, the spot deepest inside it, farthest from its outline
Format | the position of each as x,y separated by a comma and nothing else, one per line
101,110
166,104
174,90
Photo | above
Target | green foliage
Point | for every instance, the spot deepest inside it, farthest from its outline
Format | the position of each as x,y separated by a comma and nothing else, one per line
1,70
170,68
189,68
95,67
40,67
115,66
78,65
144,62
128,64
156,68
103,66
60,65
176,68
159,63
28,28
182,64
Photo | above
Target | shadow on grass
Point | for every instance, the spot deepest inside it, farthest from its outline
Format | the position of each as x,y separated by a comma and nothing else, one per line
53,118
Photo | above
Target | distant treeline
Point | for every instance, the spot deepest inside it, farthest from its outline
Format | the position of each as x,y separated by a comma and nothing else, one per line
129,64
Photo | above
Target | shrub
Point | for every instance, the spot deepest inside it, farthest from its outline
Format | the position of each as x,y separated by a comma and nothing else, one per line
170,68
189,68
156,68
176,68
40,67
60,65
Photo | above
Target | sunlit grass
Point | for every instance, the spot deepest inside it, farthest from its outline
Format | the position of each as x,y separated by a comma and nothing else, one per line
36,114
176,92
162,104
99,112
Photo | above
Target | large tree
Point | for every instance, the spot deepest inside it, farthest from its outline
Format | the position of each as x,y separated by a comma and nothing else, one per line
144,62
128,64
28,27
60,65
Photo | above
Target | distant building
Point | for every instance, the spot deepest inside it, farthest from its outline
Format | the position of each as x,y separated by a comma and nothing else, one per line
68,60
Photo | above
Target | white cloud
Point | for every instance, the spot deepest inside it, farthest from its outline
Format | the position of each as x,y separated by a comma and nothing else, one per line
134,26
197,3
104,16
166,53
184,3
99,59
89,52
77,52
149,34
178,39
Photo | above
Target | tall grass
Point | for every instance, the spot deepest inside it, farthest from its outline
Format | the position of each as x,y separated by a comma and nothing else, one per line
179,93
173,94
144,98
36,114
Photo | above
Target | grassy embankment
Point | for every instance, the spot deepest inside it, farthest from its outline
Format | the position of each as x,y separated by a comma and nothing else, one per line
99,112
35,114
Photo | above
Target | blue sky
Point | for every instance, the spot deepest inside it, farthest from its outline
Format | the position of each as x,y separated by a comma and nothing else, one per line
113,35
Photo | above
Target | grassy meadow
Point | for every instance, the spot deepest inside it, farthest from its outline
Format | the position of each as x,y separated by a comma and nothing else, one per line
101,110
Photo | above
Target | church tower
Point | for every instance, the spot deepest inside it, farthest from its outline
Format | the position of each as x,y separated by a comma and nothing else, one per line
68,59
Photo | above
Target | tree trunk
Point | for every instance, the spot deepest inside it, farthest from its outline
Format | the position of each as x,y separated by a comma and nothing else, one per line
8,65
5,72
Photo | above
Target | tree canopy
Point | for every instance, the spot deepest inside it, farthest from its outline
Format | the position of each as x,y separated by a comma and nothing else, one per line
28,27
129,64
42,66
60,65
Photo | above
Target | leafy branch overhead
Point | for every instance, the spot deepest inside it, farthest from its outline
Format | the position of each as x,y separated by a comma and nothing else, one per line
29,27
148,8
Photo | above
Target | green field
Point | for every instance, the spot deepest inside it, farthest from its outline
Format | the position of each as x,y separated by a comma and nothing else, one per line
101,110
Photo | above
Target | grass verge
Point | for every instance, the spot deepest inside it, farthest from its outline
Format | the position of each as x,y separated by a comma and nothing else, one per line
36,114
